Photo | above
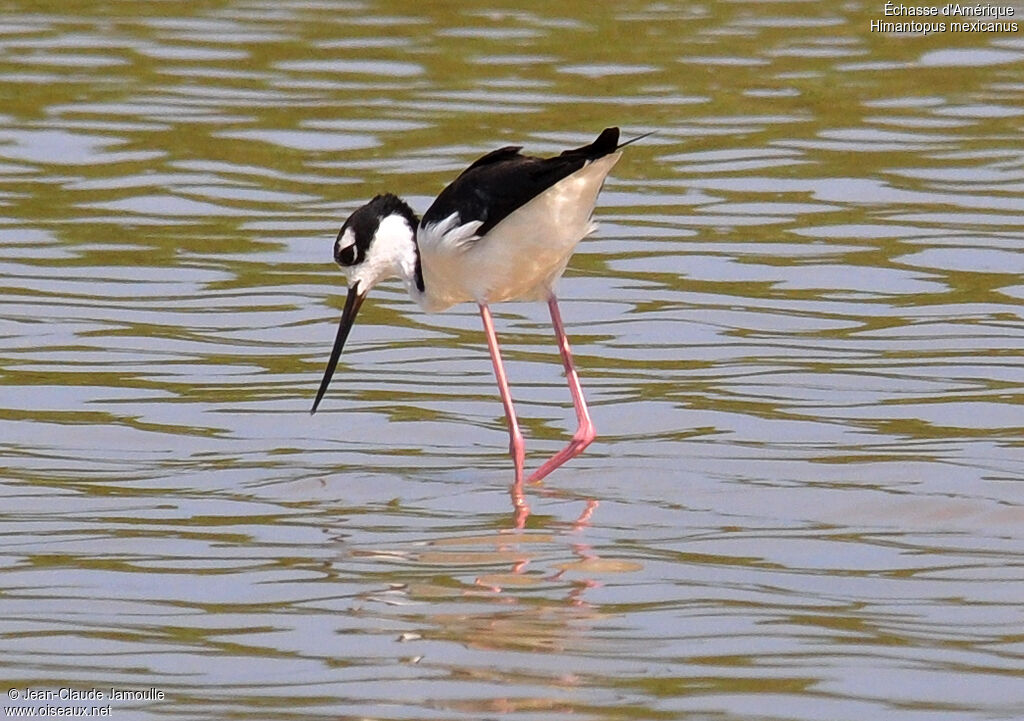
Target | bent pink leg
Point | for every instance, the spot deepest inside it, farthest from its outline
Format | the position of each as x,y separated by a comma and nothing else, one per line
517,449
585,432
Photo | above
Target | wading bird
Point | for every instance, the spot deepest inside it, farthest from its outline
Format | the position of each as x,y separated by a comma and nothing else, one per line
503,230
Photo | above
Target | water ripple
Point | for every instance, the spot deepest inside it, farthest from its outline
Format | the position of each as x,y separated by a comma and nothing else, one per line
799,328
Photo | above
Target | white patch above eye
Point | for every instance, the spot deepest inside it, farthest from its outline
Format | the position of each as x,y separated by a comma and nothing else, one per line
348,238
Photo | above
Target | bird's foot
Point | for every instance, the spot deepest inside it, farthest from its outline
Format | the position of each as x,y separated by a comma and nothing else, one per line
583,437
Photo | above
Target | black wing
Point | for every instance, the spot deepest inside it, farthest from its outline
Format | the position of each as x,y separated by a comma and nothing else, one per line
504,180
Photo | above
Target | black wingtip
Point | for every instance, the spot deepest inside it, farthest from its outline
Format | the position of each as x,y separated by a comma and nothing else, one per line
606,144
633,140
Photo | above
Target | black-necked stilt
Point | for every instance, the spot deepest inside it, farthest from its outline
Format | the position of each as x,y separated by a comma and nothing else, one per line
504,229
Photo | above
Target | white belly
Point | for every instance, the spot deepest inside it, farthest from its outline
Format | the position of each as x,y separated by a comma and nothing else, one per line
523,255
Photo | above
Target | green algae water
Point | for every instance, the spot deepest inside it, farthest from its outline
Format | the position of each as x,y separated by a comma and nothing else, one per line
799,328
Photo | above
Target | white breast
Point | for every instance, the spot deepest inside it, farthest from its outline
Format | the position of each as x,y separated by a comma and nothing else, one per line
522,256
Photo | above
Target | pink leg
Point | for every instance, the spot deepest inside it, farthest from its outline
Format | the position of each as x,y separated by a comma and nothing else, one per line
517,449
585,432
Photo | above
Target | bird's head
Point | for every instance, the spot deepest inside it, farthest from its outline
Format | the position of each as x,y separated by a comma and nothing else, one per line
378,241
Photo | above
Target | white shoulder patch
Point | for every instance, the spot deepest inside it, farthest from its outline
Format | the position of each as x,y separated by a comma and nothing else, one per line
448,233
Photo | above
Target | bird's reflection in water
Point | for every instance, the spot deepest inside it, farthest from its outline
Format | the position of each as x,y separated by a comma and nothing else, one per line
508,590
521,509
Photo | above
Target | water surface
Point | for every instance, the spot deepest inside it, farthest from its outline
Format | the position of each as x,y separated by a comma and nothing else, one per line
799,329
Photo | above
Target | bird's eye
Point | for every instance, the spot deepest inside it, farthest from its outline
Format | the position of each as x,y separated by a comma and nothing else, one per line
346,256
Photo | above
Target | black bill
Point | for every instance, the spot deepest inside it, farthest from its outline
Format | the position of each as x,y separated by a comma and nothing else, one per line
348,316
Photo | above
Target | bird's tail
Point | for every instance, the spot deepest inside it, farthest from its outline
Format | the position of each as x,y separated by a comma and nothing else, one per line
606,144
